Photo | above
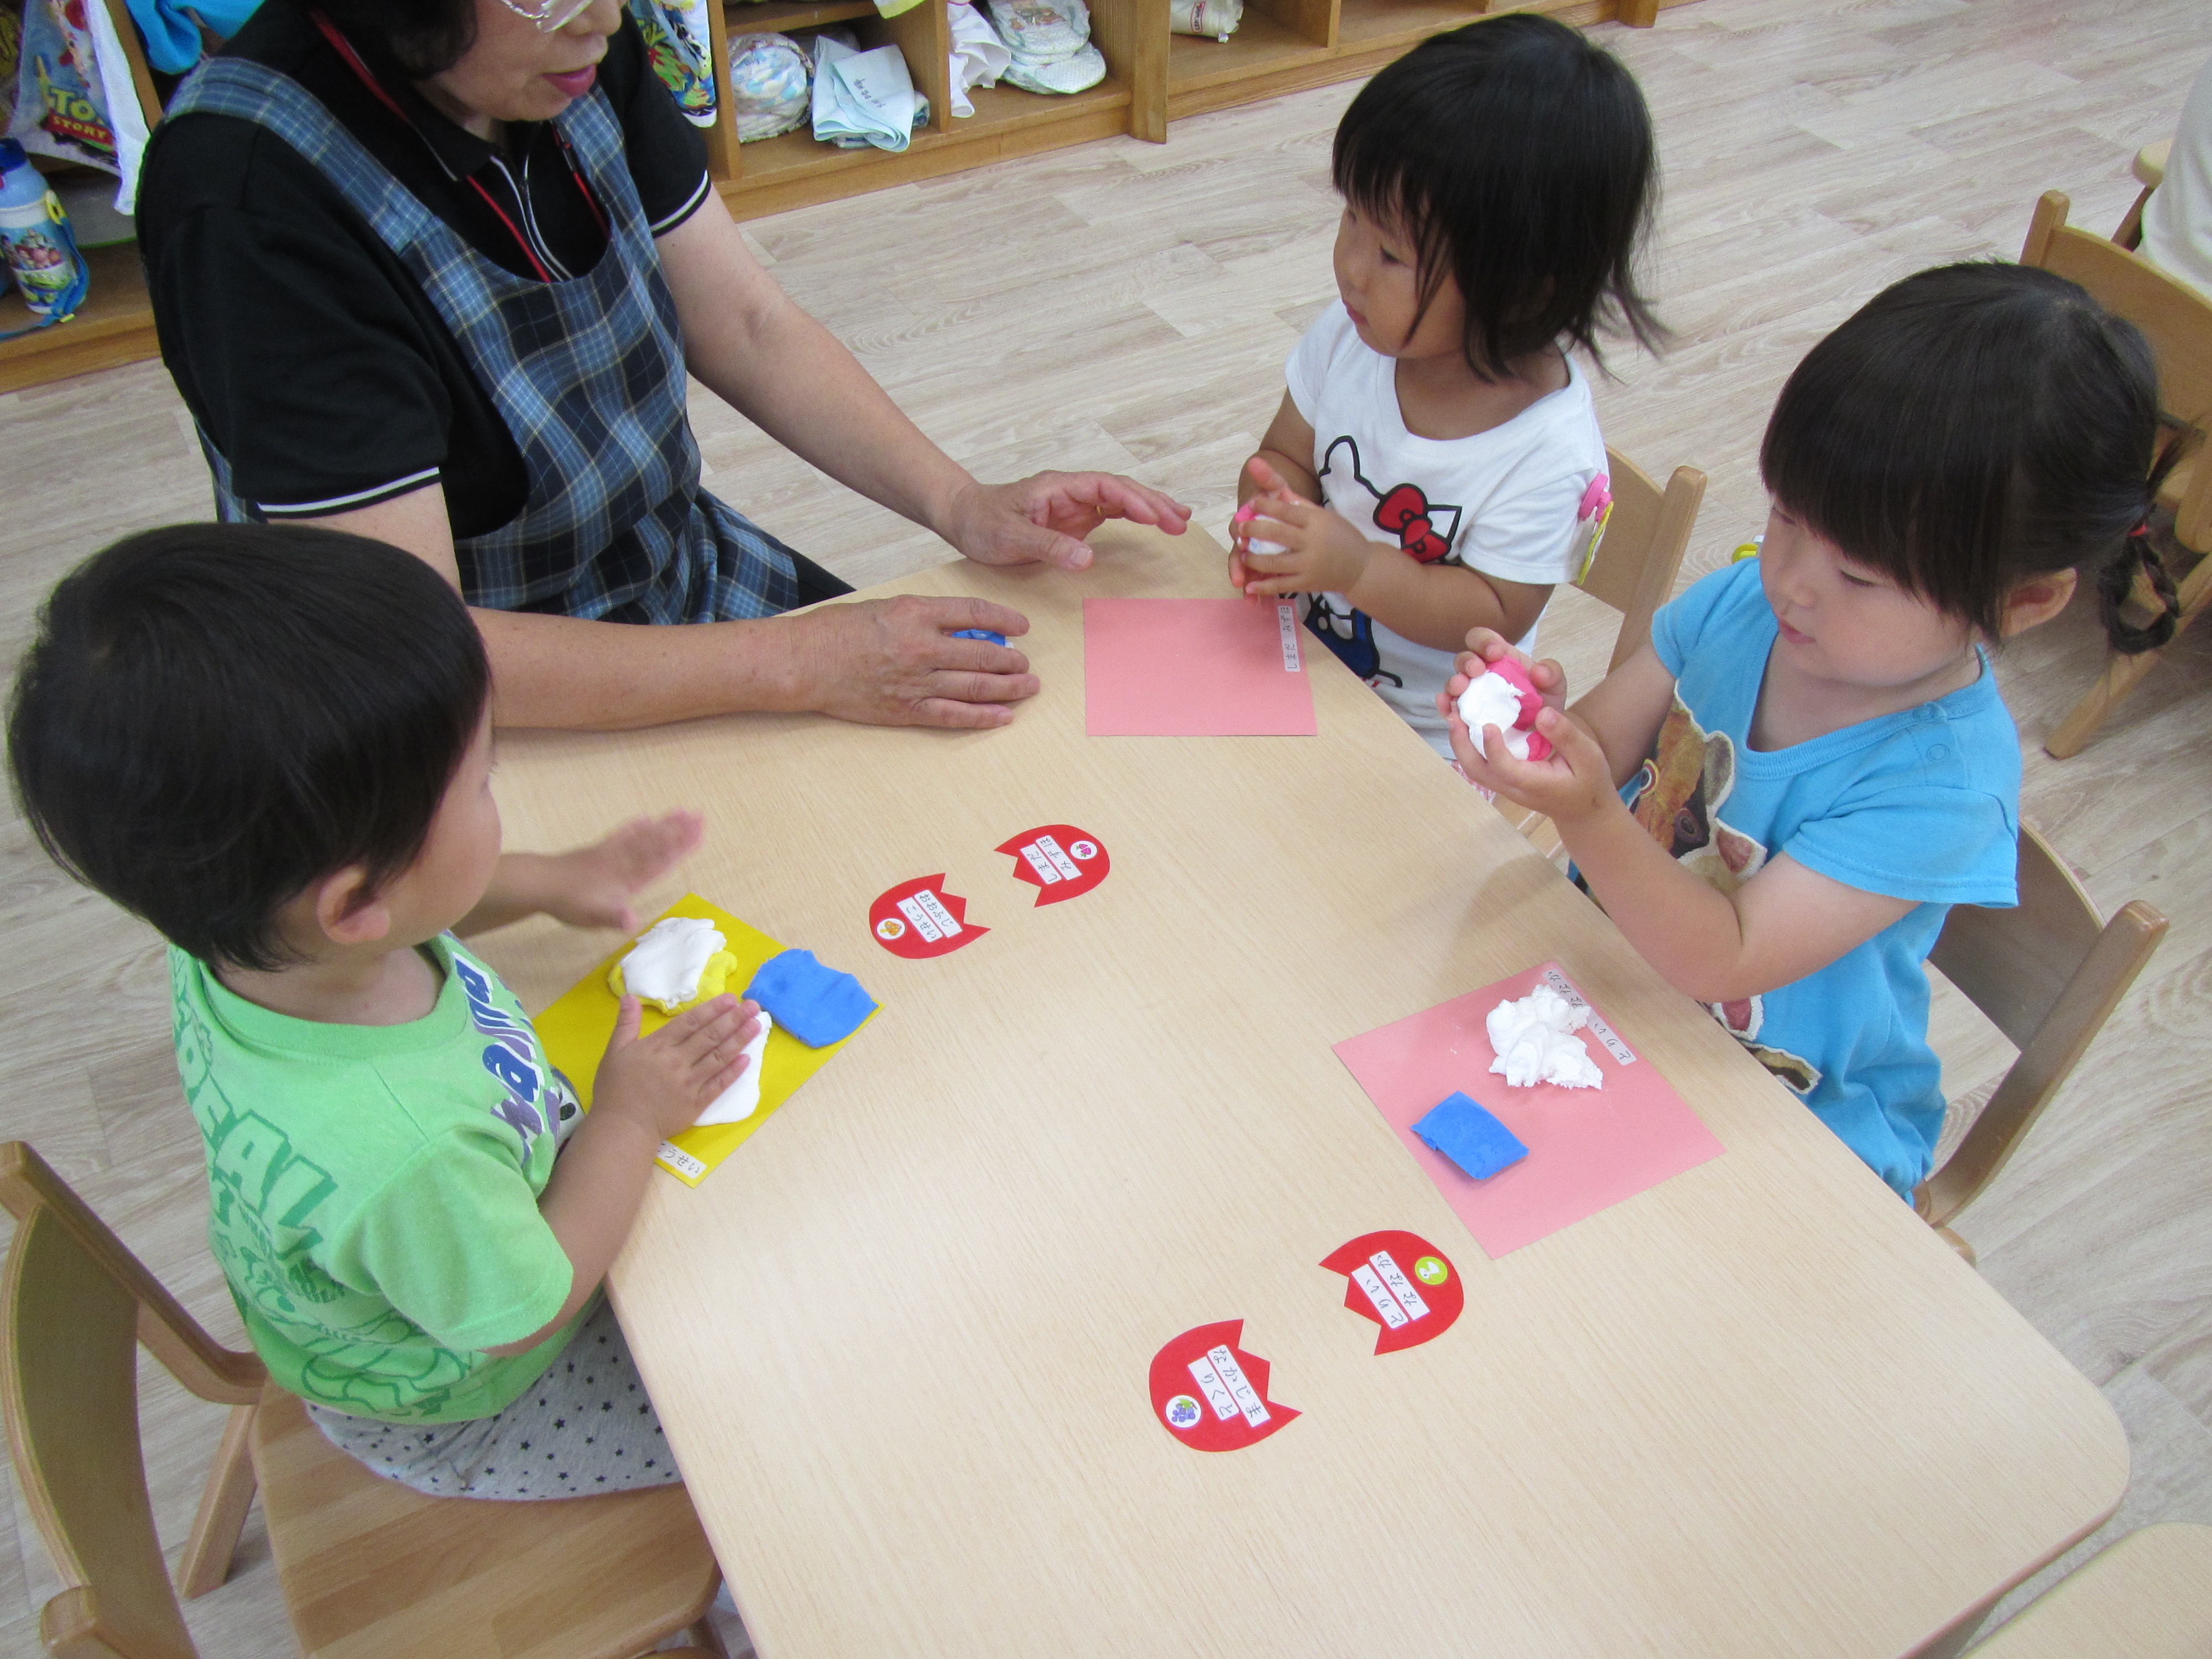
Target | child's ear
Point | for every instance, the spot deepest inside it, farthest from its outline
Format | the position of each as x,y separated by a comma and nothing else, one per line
2036,601
348,910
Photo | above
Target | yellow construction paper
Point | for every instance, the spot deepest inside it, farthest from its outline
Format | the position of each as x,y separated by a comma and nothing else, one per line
575,1030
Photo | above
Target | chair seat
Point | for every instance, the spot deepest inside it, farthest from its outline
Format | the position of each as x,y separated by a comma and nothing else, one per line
371,1570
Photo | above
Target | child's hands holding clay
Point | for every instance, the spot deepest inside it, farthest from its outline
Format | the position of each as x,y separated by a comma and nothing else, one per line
1485,649
663,1081
1322,552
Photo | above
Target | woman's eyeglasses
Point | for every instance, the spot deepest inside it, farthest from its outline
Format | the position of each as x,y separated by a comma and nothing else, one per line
549,15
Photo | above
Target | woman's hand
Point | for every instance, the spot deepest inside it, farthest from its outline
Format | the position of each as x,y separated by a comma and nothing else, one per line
662,1083
896,662
1042,519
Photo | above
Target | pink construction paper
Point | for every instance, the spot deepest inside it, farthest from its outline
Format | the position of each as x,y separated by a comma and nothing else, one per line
1195,668
1588,1148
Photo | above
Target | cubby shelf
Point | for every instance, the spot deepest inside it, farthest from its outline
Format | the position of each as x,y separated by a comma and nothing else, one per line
1153,77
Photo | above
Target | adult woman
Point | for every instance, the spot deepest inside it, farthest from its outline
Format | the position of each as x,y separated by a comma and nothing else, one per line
433,270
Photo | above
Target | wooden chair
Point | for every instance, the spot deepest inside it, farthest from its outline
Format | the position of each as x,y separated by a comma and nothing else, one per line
1638,559
369,1569
2150,170
2149,1596
2176,320
2047,974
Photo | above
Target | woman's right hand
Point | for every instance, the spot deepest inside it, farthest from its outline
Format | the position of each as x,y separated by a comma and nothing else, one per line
662,1082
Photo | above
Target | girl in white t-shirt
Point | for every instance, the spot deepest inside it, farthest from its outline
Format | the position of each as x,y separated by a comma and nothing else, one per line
1496,182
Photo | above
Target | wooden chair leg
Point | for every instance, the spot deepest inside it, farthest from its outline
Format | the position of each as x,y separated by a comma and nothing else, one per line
2130,234
1965,1250
2120,677
206,1560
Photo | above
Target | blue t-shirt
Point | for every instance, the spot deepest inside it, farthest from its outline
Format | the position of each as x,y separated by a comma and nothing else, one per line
1922,804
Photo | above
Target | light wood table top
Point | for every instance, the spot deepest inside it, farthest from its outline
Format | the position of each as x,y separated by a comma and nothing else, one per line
900,1340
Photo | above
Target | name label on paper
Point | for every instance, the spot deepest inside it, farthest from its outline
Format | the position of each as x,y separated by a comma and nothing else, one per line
1400,1282
1060,860
1204,1364
1286,622
917,919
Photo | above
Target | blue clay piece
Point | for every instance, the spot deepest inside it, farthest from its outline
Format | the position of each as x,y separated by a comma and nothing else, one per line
1469,1136
979,634
817,1004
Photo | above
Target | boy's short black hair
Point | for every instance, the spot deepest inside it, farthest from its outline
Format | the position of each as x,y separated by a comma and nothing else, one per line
215,716
1969,428
1519,157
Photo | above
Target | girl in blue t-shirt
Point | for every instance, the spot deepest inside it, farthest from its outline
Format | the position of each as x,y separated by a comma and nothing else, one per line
1778,799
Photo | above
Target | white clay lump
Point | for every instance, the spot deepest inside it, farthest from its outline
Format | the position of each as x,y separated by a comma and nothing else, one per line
676,961
742,1098
1491,700
1533,1039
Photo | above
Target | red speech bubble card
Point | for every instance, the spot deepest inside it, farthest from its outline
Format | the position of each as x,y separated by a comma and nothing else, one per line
918,918
1402,1283
1211,1394
1060,860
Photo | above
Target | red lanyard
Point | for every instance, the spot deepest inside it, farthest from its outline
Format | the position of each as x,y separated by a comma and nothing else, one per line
345,50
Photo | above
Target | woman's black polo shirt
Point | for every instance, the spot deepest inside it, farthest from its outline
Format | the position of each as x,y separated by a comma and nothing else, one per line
317,365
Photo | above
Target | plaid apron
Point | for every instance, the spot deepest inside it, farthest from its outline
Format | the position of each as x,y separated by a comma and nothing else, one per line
588,374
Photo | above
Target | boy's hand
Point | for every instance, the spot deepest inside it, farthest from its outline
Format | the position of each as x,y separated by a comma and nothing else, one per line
1324,553
1484,646
592,886
665,1080
1573,784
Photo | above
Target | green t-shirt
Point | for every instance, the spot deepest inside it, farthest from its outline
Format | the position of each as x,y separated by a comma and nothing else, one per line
373,1191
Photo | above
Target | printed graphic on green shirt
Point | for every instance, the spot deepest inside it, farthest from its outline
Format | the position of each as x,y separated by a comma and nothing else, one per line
373,1191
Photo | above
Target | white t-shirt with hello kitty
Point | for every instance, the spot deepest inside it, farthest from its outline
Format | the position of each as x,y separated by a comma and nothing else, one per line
1524,502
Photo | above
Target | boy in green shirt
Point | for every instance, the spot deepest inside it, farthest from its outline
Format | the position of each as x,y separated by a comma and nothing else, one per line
273,744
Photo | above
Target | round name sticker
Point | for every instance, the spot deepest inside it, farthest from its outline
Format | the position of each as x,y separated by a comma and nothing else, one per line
1060,860
918,918
1212,1394
1400,1282
1182,1413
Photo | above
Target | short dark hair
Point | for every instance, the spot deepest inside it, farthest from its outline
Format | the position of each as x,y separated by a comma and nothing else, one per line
420,38
1971,428
1519,157
215,716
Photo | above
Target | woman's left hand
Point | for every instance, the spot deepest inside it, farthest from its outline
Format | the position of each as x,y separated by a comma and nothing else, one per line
1042,519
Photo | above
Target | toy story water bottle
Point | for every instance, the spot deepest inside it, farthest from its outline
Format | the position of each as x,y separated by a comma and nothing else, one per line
35,232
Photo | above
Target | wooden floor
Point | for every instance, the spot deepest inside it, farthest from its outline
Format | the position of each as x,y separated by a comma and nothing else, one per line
1129,306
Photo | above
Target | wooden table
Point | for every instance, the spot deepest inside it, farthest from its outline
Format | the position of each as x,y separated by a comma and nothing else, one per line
900,1340
2149,1596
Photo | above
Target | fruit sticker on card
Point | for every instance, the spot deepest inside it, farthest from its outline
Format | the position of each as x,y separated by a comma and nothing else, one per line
1060,860
575,1029
919,919
1400,1282
1213,1395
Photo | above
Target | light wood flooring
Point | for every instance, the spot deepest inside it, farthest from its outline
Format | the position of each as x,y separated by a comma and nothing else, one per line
1128,305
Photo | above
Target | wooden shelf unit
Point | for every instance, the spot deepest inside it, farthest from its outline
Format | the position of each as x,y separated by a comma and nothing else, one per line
1153,77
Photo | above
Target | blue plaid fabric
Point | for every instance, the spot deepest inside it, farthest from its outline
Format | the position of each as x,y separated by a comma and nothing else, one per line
589,374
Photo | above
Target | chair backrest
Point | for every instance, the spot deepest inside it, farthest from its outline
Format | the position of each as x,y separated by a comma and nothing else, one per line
2174,318
1642,549
74,1305
2047,974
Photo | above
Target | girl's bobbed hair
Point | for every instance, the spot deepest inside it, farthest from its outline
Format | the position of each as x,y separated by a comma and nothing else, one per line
1973,427
1519,158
